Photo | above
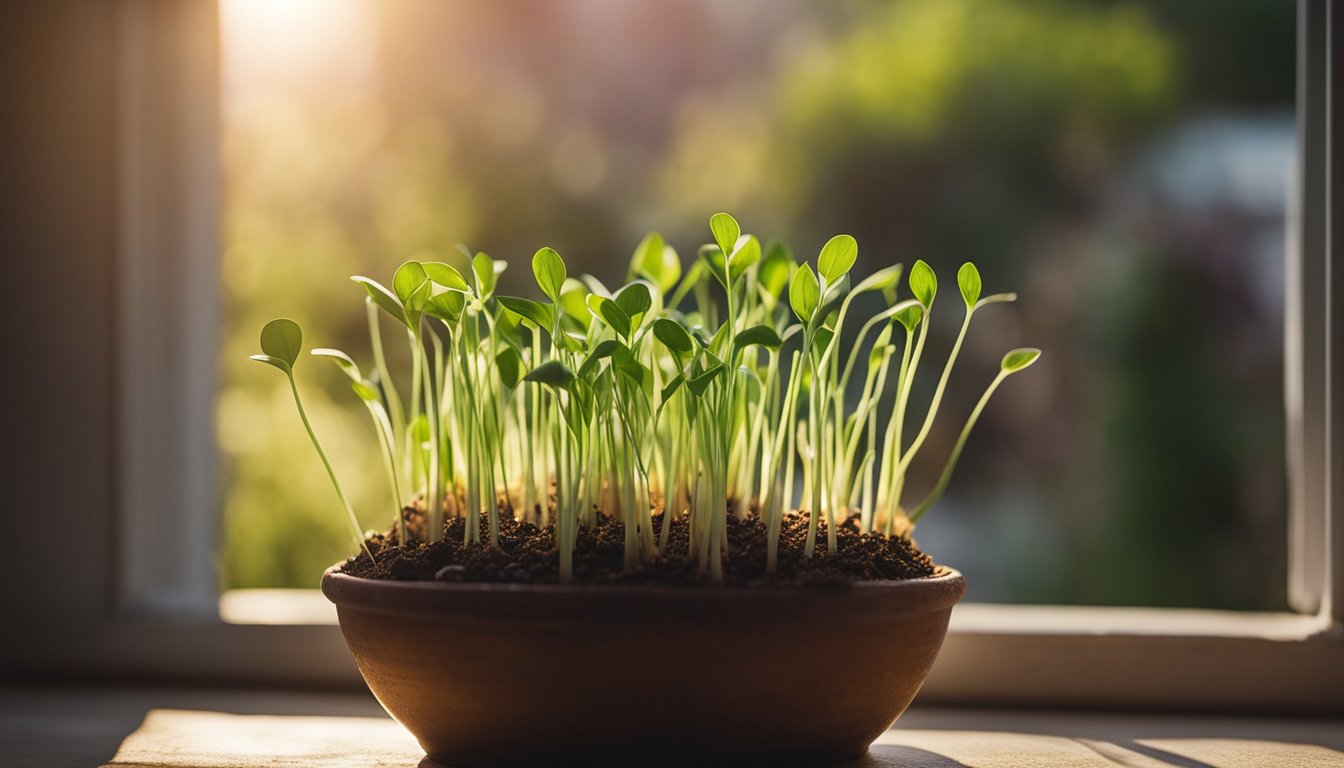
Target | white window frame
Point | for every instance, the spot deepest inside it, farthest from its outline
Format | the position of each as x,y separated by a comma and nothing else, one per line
163,621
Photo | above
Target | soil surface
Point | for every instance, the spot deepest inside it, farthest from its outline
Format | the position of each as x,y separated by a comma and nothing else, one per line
527,555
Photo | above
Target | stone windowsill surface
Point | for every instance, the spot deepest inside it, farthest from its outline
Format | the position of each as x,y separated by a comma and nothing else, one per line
56,726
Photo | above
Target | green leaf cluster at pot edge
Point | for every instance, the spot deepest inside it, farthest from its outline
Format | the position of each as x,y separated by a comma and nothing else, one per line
700,391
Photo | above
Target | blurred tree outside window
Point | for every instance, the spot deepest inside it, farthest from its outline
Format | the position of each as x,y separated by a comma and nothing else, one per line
1123,165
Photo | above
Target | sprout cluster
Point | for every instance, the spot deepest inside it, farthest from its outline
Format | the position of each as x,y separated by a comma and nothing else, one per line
702,393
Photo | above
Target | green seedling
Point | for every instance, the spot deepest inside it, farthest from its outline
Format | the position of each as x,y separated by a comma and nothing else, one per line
701,390
281,344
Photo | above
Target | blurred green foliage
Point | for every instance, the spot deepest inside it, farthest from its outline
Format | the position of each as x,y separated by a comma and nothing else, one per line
930,87
1147,468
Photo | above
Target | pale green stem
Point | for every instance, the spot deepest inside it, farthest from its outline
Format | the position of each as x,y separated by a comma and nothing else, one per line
776,505
909,453
891,445
844,479
828,471
814,437
412,450
898,480
387,443
331,473
433,498
863,467
891,458
866,522
946,475
394,408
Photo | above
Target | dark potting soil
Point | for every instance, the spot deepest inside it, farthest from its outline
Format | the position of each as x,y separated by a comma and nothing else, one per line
527,555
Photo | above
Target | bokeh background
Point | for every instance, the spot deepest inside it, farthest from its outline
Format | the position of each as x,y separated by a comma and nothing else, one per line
1124,165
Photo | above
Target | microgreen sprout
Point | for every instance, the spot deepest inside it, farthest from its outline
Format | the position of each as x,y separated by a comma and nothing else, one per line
699,390
281,343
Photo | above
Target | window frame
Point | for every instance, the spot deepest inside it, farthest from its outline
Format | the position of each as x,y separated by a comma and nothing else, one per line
162,619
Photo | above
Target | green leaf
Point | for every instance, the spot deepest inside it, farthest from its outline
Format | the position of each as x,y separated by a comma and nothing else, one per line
882,347
833,298
603,349
923,283
760,335
720,340
656,261
601,389
342,361
611,314
271,361
507,324
552,373
804,293
366,391
549,269
418,301
647,259
694,274
445,275
628,366
594,285
968,280
697,332
820,341
910,316
634,299
746,253
773,274
879,352
700,383
510,365
573,302
483,269
540,315
447,306
837,257
880,280
726,231
571,342
671,387
713,259
408,279
1019,359
673,336
282,339
384,298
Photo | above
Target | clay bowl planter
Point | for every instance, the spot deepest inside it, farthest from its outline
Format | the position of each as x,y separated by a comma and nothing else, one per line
489,674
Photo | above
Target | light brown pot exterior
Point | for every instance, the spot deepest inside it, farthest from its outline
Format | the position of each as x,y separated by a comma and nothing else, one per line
489,674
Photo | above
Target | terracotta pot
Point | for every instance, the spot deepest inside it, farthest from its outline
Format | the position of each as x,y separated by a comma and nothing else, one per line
488,674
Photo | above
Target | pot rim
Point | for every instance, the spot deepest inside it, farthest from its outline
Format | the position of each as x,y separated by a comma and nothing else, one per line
506,601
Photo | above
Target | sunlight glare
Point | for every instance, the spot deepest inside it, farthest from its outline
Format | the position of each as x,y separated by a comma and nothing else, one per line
283,45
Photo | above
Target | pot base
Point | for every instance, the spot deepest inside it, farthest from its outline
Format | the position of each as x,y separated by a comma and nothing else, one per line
489,674
663,760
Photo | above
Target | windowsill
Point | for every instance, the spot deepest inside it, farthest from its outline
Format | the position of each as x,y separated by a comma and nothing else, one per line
997,656
276,606
309,606
197,728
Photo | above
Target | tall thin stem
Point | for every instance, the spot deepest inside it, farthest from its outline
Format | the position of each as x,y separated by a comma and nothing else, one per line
331,473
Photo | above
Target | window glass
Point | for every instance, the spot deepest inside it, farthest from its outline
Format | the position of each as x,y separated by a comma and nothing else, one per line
1124,166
